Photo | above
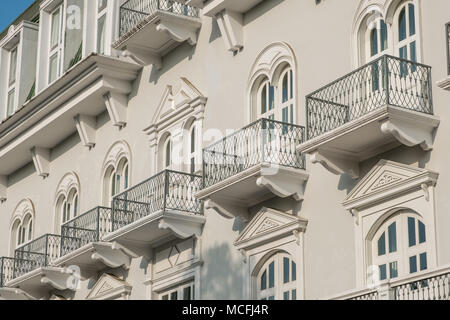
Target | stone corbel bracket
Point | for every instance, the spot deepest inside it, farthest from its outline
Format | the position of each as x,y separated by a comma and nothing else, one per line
15,294
179,30
226,209
86,127
57,278
283,181
113,255
3,188
182,226
336,164
143,56
41,160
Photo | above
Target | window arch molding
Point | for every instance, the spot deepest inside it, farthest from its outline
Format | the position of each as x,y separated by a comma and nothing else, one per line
191,145
269,66
387,10
24,216
165,151
118,157
68,191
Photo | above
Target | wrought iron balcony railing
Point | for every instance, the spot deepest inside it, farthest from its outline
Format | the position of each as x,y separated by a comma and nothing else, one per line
168,190
37,254
6,270
385,81
435,287
133,12
84,229
264,141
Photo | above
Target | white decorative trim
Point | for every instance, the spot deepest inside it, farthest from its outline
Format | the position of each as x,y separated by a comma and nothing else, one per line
109,287
231,27
113,255
86,127
117,152
57,278
14,294
41,160
116,104
336,164
143,56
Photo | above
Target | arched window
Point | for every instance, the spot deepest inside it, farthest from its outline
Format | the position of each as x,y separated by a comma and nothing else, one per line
266,100
193,150
287,96
167,162
116,171
277,279
406,37
67,205
399,246
116,180
22,225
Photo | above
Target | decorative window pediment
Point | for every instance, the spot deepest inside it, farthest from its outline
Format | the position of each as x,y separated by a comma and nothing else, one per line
109,287
177,101
387,180
269,225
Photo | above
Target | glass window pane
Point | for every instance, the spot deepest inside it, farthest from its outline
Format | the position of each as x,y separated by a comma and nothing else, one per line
264,281
285,88
13,66
187,293
294,294
423,261
383,273
413,52
125,182
413,264
286,295
383,35
264,100
412,20
286,275
291,77
294,271
411,231
53,68
165,297
101,4
272,275
382,245
174,295
271,298
402,25
393,269
271,97
101,30
374,42
54,37
10,107
168,154
422,233
392,231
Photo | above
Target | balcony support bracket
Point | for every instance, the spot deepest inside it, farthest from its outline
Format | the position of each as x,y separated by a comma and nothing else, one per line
143,56
113,255
230,25
15,294
227,209
116,104
179,31
182,228
58,279
409,134
283,182
3,188
336,164
86,127
41,160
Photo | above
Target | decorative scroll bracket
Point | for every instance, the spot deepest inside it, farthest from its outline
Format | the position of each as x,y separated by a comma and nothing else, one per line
41,160
86,127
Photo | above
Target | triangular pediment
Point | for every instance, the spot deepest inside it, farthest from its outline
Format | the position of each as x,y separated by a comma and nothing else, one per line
384,176
174,98
108,286
268,222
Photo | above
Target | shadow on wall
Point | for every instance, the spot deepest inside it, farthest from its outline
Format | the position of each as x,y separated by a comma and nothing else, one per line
261,9
222,274
185,50
215,31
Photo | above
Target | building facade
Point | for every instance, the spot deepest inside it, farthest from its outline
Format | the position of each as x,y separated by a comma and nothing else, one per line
221,149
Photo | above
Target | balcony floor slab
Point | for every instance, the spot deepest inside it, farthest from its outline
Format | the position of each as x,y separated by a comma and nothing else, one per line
342,149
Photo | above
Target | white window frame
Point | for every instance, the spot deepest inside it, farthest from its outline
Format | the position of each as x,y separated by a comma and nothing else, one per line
368,43
24,231
101,13
69,206
58,49
120,174
277,292
179,290
409,39
290,102
12,85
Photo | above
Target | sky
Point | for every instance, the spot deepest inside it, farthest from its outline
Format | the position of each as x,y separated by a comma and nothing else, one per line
11,9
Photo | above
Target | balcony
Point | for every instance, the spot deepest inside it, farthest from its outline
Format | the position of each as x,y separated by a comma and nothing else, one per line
431,285
161,208
82,244
34,272
252,165
378,107
151,28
